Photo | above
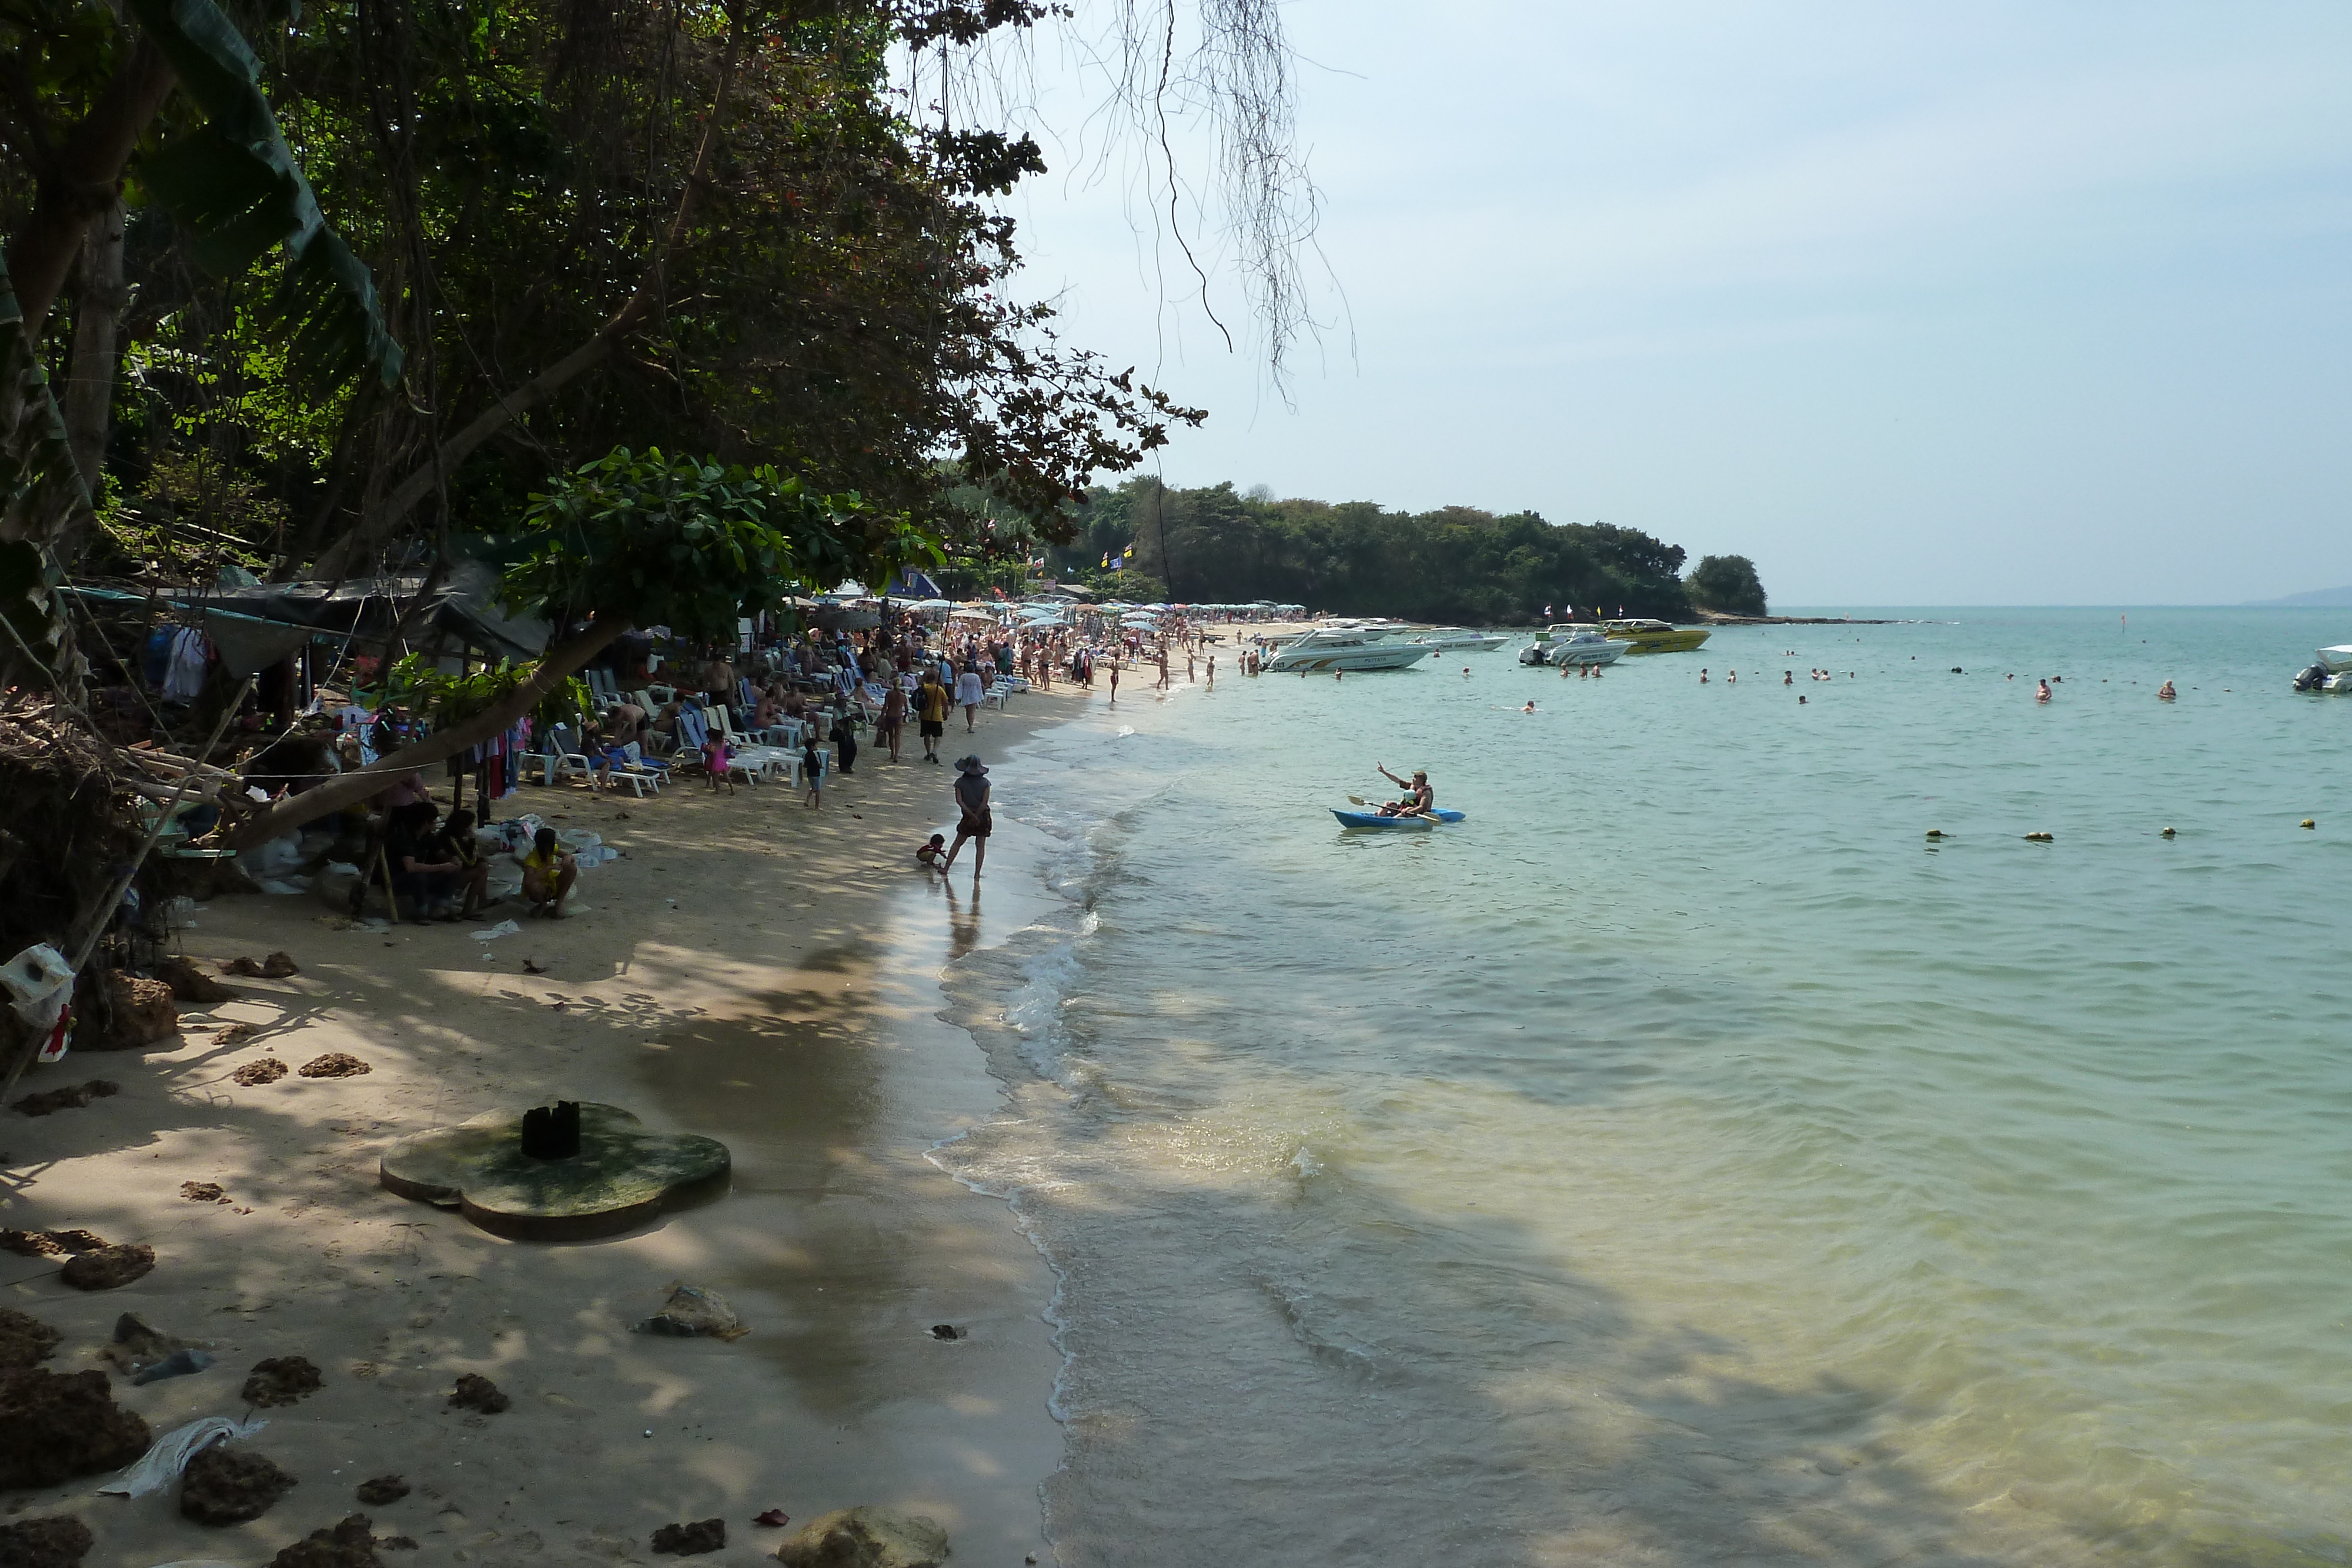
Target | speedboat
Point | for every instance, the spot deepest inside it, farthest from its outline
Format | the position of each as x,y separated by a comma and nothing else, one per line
1656,636
2333,673
1374,820
1568,643
1346,647
1457,639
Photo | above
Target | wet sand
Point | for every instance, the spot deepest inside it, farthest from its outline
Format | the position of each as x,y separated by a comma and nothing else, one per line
785,1003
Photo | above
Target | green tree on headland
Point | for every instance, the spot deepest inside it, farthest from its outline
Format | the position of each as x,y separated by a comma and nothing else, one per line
1455,564
1728,585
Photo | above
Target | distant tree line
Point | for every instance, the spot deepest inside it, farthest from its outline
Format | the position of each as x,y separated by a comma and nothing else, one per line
1457,564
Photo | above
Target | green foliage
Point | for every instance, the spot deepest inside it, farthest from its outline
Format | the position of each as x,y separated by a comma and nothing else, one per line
1727,584
1455,564
419,683
685,543
236,185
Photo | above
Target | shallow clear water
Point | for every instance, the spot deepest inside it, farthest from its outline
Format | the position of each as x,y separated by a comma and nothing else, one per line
1682,1160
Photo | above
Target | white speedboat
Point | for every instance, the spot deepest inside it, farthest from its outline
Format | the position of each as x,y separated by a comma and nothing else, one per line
2333,673
1346,647
1570,643
1457,639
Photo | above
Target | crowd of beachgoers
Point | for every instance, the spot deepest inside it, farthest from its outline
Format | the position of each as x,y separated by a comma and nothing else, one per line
795,707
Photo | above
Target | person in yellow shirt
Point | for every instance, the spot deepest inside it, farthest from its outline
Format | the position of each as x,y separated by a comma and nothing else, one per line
931,705
547,873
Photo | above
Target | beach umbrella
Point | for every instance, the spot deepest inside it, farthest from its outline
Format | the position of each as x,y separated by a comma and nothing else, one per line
970,615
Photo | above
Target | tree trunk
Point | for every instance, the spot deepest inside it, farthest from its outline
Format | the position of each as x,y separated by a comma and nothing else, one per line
562,659
83,178
88,401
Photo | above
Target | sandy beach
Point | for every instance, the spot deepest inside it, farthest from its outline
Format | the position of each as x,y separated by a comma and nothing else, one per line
750,971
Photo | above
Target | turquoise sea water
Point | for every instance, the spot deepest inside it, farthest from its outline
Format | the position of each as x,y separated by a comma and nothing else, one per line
1684,1160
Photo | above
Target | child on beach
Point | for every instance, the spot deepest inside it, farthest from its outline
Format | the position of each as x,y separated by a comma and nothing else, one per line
716,761
927,856
813,766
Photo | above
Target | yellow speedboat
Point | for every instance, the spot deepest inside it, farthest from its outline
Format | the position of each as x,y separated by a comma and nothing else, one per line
1655,636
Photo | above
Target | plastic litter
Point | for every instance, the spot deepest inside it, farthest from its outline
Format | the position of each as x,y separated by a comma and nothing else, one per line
40,983
179,1364
277,858
503,928
161,1465
280,885
691,1311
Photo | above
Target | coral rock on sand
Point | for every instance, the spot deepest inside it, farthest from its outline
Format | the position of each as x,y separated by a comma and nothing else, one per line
50,1243
378,1491
189,983
107,1267
281,1380
72,1097
347,1545
239,966
277,966
335,1064
867,1538
60,1542
236,1034
475,1392
203,1192
144,1013
228,1486
136,1347
25,1340
265,1069
692,1540
54,1425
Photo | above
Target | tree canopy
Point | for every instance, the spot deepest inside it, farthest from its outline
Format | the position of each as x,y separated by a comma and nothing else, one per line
1728,584
1456,564
708,226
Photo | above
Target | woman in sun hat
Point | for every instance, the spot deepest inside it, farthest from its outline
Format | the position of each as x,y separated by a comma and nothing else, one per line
972,792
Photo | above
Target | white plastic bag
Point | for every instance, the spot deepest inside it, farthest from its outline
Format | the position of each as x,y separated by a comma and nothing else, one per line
39,984
503,928
161,1465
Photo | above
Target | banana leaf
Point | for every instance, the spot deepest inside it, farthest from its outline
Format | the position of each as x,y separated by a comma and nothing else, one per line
237,187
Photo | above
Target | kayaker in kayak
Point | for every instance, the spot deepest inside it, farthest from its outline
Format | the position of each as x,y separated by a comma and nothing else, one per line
1422,800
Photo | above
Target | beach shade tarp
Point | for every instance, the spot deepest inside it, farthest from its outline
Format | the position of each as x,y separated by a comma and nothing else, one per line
970,615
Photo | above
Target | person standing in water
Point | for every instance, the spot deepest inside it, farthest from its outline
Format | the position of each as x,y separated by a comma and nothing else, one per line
975,820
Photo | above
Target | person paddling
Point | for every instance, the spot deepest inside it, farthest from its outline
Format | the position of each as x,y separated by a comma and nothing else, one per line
1424,799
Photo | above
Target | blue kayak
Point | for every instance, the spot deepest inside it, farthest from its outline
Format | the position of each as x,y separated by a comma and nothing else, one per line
1374,820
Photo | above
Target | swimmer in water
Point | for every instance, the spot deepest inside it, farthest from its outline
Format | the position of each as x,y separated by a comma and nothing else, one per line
2165,693
2041,691
1702,675
1531,707
1788,677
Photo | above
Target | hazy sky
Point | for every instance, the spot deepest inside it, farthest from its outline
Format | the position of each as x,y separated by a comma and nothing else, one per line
1982,304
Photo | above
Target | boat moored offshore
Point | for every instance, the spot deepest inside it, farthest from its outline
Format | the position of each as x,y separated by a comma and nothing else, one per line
1656,636
1346,647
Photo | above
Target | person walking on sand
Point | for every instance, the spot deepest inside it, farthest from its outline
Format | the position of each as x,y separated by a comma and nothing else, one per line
893,722
812,767
969,694
932,713
1113,679
974,821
